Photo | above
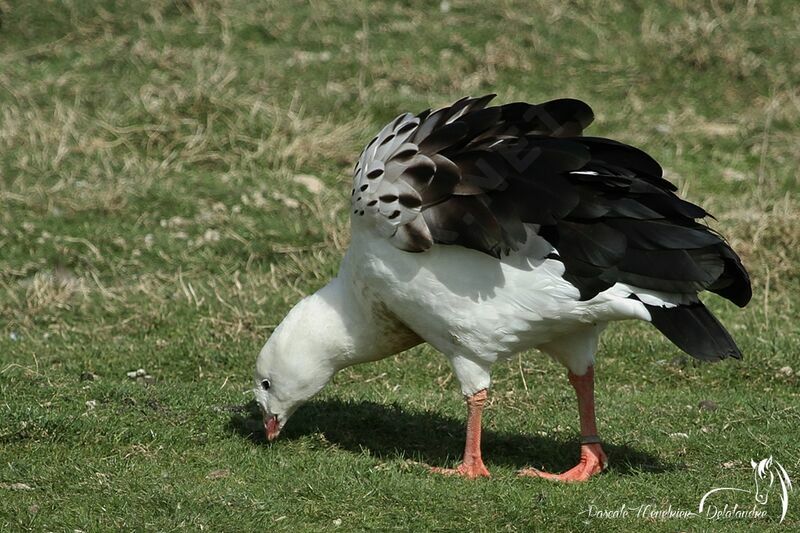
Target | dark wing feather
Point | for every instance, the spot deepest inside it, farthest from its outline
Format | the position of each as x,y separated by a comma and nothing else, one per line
695,330
474,175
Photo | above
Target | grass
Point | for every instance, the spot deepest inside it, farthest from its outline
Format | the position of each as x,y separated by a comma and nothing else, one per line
151,216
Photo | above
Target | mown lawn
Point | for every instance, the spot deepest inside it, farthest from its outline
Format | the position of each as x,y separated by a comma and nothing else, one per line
156,212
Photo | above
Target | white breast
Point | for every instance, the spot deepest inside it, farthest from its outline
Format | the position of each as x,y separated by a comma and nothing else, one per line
464,302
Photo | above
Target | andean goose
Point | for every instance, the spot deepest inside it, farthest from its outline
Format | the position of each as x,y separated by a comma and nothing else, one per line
487,231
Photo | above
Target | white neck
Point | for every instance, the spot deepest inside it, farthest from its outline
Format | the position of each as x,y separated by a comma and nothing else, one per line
340,326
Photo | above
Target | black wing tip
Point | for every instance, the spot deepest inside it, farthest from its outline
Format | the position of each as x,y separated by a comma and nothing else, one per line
579,109
735,286
695,330
731,352
742,297
577,102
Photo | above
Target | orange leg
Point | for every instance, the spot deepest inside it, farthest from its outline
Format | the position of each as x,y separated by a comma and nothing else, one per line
593,458
472,466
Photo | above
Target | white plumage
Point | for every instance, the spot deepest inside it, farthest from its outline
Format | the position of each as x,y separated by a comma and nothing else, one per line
476,309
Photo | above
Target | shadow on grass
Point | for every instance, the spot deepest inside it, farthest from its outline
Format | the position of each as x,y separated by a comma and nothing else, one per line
390,432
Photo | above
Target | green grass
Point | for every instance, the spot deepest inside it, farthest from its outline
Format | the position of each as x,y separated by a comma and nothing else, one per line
149,217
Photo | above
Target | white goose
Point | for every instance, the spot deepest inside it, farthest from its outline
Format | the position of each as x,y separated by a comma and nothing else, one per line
487,231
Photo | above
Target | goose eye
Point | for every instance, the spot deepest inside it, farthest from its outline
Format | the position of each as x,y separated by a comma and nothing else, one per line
265,384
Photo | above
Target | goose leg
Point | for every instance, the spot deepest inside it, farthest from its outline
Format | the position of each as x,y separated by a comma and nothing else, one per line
472,466
593,458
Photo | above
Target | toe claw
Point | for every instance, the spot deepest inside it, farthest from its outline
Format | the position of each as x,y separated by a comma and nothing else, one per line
593,461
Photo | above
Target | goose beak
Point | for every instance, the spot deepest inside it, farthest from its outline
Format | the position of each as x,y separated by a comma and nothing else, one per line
272,427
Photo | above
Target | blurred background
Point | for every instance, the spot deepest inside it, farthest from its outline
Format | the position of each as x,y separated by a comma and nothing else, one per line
174,176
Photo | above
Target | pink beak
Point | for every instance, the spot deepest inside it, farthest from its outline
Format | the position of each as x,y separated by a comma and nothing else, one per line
271,427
